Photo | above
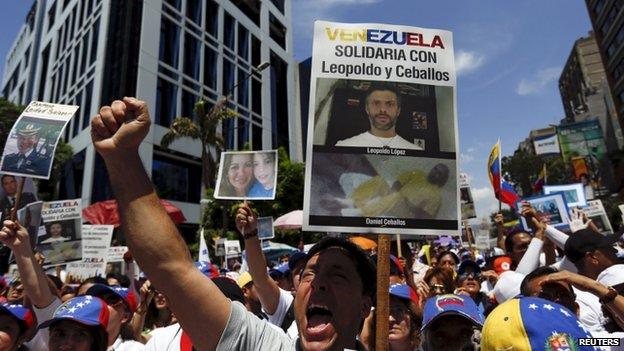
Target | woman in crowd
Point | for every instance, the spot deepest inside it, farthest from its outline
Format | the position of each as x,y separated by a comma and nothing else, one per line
437,281
405,319
264,172
447,259
15,322
238,175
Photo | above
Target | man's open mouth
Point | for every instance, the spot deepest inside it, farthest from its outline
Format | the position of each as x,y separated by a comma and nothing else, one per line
319,319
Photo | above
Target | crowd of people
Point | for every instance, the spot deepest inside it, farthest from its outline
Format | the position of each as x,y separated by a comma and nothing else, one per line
541,289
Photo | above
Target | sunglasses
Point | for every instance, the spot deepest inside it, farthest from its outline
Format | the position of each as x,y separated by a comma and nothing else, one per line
473,275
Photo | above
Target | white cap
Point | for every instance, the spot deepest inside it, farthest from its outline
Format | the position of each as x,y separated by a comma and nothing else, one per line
507,286
613,275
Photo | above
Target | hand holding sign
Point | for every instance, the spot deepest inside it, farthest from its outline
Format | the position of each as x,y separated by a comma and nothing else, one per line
121,127
245,220
14,236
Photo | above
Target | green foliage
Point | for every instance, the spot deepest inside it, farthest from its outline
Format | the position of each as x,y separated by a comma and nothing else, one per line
9,113
48,189
523,170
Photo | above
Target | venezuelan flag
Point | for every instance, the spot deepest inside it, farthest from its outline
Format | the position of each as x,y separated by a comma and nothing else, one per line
541,180
503,191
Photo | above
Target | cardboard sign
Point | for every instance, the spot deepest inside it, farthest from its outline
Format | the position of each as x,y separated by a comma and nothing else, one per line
596,212
62,241
96,241
116,253
382,132
29,149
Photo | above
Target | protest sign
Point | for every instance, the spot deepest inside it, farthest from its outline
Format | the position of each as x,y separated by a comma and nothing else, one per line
247,175
551,208
382,133
30,147
62,242
265,228
232,248
220,247
596,212
465,198
95,244
116,253
30,218
8,192
574,194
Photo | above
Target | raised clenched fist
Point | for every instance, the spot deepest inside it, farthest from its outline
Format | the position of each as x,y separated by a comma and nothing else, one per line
120,127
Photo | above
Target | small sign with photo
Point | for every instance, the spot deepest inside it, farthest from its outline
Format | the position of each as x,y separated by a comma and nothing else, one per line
30,146
232,248
247,175
596,212
552,208
62,241
573,193
265,228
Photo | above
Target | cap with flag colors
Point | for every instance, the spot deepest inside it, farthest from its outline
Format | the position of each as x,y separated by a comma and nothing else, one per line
126,295
87,310
460,305
208,269
24,315
531,323
503,191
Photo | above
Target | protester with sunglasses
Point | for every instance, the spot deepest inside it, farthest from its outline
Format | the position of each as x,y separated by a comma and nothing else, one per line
469,283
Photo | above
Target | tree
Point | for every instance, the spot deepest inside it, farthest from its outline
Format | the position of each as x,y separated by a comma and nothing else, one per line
47,189
523,169
205,130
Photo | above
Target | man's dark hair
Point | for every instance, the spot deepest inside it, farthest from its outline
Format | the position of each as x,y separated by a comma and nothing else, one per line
509,238
446,252
380,86
539,272
92,280
6,176
363,264
122,279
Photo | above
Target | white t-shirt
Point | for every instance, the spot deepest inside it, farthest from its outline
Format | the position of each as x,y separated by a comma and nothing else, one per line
590,311
613,275
127,345
40,341
165,339
285,300
367,139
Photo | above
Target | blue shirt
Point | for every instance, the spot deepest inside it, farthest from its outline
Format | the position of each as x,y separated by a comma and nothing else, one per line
257,190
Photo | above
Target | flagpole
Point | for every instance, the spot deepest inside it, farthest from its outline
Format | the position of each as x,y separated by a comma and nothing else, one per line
500,169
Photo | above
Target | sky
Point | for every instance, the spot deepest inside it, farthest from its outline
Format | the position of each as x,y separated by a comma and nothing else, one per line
509,55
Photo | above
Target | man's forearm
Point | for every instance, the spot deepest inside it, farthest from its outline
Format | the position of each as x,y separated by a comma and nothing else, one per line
500,240
34,280
268,291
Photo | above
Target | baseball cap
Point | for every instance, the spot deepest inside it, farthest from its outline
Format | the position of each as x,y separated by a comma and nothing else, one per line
469,263
585,240
24,315
501,264
85,309
451,304
531,323
395,265
208,269
403,291
294,259
126,295
244,279
507,286
229,288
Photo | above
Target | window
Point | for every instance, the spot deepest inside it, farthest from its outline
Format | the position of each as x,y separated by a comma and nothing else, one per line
76,125
191,56
94,40
71,180
256,96
212,17
166,99
251,8
51,15
169,42
255,51
243,89
174,3
228,76
26,57
243,42
193,11
279,103
45,58
277,31
228,31
256,139
175,179
86,108
210,67
279,4
76,62
83,59
188,104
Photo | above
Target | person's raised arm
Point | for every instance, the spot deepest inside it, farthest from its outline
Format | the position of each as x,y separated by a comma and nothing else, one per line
203,311
33,278
267,289
530,260
500,230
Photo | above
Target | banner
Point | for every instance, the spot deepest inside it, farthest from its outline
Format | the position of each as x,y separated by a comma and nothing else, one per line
596,212
30,147
382,132
96,241
546,145
62,241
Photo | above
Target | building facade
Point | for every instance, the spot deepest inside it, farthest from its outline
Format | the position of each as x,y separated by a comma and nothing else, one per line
585,92
170,53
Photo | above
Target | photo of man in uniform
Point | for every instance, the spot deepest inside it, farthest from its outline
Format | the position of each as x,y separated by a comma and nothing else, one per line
382,107
27,160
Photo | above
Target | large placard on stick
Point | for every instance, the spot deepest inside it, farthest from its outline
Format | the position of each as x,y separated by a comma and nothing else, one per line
62,241
247,175
30,147
596,212
382,135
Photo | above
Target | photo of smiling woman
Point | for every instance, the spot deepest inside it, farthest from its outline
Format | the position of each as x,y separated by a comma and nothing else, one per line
247,175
